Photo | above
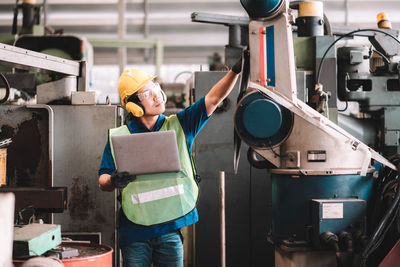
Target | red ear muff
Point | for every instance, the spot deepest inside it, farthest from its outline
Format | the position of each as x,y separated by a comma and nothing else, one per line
135,109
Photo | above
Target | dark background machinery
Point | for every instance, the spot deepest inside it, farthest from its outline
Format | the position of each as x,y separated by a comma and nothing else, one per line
56,146
348,73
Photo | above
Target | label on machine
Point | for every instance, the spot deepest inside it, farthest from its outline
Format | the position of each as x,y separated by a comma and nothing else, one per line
332,210
316,155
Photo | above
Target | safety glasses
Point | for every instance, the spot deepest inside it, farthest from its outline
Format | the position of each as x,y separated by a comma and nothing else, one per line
150,92
146,94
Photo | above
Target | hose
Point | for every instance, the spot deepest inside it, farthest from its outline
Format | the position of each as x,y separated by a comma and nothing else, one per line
386,222
15,19
5,98
330,241
345,108
346,35
257,163
346,242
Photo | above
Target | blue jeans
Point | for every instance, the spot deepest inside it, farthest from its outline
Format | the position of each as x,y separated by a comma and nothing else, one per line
162,251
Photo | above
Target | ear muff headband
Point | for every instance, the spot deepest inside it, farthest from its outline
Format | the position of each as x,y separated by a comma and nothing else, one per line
164,96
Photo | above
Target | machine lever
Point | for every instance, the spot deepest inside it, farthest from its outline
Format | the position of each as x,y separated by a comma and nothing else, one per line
244,80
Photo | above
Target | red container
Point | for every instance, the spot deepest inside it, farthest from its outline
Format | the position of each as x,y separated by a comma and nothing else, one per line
90,255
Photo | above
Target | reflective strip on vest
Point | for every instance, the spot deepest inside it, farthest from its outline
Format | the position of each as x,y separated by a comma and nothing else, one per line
158,194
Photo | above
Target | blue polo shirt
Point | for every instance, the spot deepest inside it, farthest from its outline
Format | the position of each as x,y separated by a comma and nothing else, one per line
193,119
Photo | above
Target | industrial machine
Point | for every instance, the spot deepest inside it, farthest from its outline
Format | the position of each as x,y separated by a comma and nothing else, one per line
323,164
247,203
321,175
328,207
36,36
57,132
55,152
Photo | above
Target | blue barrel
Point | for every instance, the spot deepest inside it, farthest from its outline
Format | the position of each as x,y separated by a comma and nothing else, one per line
291,201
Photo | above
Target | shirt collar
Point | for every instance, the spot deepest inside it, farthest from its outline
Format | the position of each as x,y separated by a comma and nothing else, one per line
136,126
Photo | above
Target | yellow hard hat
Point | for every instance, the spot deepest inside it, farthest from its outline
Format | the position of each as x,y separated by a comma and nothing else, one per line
131,81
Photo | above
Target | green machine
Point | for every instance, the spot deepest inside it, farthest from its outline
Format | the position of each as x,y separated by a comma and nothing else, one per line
368,74
35,239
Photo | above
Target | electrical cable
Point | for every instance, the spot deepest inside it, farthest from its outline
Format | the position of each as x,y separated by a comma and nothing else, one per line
391,177
327,109
384,175
386,229
8,89
388,219
250,219
183,72
345,108
19,216
382,55
346,35
383,182
386,186
15,19
273,151
380,232
327,25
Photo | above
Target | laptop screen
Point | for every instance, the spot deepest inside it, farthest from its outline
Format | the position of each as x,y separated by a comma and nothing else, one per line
144,153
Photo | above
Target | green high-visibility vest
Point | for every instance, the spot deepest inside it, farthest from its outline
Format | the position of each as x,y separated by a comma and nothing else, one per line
158,198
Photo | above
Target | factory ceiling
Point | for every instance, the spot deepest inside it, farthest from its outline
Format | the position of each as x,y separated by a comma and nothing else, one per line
170,22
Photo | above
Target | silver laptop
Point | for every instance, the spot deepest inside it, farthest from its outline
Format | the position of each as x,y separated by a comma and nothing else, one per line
144,153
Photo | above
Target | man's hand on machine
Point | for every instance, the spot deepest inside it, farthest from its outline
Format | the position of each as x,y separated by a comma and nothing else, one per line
122,179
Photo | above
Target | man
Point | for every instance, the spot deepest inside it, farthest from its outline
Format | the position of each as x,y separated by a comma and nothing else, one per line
157,239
